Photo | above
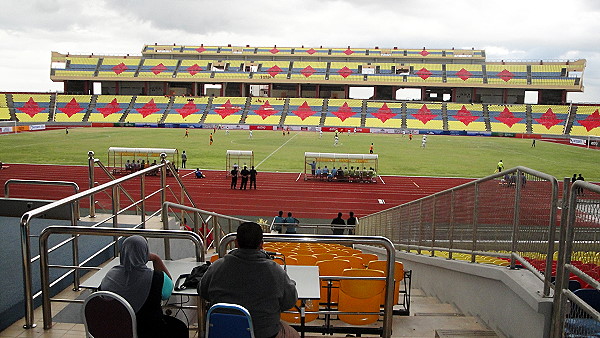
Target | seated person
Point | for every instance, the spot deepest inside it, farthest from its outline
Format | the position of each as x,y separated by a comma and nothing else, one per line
249,277
199,173
128,166
332,174
325,172
318,172
144,288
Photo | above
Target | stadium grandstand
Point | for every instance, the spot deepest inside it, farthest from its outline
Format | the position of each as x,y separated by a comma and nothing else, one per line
511,250
190,86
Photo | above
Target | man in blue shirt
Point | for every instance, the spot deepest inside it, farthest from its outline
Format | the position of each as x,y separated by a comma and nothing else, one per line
290,224
278,222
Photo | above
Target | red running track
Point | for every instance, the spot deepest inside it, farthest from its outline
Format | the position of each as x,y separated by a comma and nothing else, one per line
276,191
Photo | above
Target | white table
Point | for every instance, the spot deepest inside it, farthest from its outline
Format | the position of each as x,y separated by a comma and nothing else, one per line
175,268
308,286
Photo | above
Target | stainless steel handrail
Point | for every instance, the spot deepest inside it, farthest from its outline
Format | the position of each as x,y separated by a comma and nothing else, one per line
51,230
28,216
362,228
10,182
564,267
198,219
368,240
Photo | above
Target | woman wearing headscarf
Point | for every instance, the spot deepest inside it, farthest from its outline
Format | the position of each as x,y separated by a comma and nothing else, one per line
144,289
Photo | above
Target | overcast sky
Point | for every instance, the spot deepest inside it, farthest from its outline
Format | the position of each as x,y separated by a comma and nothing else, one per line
506,29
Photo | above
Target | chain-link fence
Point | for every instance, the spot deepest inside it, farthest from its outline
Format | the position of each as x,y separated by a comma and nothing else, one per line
577,299
508,218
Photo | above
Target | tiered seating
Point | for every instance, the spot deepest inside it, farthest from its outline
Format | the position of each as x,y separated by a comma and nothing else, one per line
71,108
233,71
345,71
199,49
385,73
457,73
548,119
78,66
382,114
550,74
274,51
506,74
109,108
465,117
587,121
424,53
187,110
309,71
345,52
4,111
154,68
226,110
147,109
32,108
304,112
194,69
272,70
311,51
424,116
508,118
423,73
118,67
265,110
346,113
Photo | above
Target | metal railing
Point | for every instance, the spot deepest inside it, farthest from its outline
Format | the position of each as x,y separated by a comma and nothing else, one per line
114,186
367,240
219,224
10,182
510,215
578,260
77,231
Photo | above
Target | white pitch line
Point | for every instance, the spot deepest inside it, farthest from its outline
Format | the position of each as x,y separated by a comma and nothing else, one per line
297,178
416,184
276,150
381,179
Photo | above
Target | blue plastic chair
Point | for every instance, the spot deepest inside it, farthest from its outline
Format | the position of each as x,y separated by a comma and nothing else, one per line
224,320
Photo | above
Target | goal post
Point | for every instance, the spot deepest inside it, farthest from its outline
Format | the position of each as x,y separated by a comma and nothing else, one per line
8,127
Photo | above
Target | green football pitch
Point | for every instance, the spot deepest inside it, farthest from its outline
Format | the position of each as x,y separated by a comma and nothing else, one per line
444,156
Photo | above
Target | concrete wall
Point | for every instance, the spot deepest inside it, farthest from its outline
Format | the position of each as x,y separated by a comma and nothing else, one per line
508,301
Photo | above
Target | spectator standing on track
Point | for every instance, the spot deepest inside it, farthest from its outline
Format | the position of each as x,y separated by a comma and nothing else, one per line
245,173
313,167
253,178
500,166
353,221
183,159
580,178
291,223
234,176
278,221
338,225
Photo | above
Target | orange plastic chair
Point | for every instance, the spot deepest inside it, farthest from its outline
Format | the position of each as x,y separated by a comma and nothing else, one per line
358,295
294,317
304,260
288,261
324,256
398,276
355,262
330,289
367,257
